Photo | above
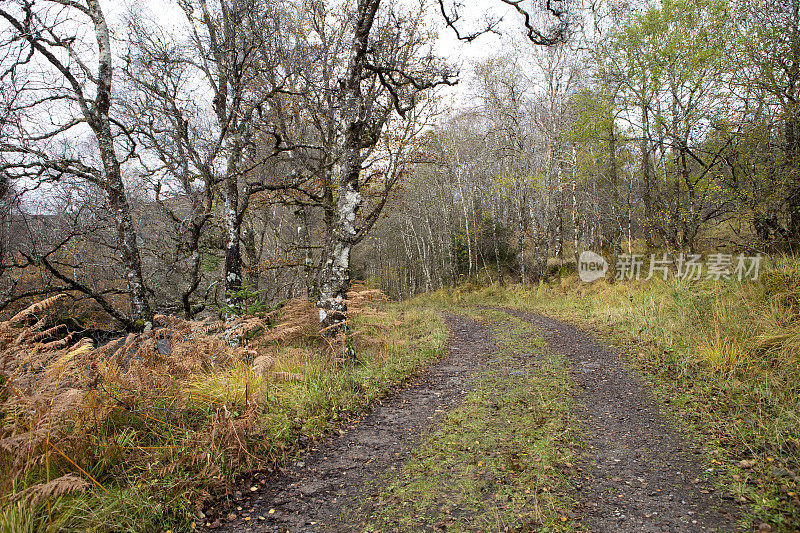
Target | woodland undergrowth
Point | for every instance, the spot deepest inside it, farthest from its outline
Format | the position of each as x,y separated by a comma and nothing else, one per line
139,433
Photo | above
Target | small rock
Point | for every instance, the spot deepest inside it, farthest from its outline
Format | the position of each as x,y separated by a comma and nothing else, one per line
781,472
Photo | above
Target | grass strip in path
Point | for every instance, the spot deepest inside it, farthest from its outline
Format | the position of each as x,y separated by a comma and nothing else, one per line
642,473
498,462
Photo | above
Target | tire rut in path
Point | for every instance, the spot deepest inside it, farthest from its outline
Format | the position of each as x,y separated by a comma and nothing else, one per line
323,489
639,474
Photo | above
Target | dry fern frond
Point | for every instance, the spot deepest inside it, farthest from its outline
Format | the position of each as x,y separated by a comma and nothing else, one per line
287,376
58,344
298,319
67,484
297,354
36,308
58,330
66,401
60,364
24,441
263,364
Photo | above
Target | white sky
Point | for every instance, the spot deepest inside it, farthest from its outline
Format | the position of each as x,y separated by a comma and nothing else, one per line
448,46
488,45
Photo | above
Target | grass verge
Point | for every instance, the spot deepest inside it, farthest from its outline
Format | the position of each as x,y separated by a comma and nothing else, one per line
496,461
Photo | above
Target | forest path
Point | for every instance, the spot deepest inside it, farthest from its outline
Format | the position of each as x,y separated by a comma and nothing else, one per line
317,492
634,473
638,472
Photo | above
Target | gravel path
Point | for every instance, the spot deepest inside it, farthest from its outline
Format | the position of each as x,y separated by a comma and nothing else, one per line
638,473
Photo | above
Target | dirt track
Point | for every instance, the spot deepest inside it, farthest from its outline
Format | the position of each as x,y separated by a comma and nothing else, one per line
636,474
320,491
641,475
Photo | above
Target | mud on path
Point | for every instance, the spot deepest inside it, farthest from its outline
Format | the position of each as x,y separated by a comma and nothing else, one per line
319,491
638,472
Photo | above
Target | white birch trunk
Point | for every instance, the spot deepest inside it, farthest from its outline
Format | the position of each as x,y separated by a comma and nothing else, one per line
112,184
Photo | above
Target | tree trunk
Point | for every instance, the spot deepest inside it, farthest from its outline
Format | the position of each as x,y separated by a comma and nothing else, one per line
112,184
575,224
521,229
141,313
467,231
558,244
332,303
614,232
646,177
496,243
233,229
194,270
304,242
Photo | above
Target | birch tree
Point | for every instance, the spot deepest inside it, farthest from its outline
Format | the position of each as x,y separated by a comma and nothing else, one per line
386,72
204,107
71,81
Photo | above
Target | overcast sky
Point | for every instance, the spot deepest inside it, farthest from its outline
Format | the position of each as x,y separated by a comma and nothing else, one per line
448,46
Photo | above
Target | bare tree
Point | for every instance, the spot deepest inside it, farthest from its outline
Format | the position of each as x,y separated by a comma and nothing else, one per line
77,99
231,141
383,68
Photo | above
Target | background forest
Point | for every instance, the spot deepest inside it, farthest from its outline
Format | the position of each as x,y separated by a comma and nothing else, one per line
668,127
234,157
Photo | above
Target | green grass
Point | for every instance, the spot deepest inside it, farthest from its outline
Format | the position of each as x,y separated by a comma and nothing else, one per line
498,460
155,467
726,355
